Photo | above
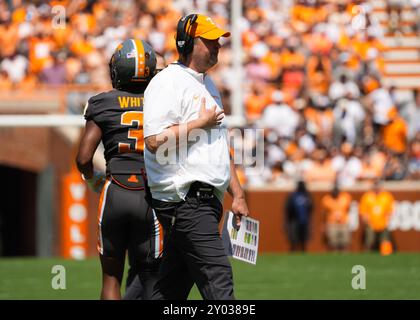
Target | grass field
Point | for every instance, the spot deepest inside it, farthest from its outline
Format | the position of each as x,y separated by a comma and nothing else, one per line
278,277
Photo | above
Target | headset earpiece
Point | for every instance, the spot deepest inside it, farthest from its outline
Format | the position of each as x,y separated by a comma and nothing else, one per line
184,41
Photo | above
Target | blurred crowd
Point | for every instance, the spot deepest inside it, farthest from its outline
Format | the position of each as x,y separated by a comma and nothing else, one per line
314,82
312,75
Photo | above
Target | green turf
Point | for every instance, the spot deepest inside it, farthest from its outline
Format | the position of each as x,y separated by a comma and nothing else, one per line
322,276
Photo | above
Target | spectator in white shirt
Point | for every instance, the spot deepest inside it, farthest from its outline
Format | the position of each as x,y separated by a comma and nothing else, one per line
280,116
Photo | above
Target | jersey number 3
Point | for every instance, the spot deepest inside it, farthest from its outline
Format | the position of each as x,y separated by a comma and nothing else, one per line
132,118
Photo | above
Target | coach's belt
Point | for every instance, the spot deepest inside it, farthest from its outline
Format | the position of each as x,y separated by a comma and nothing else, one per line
201,190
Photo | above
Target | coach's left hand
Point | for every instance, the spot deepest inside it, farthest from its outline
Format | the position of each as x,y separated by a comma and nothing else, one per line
239,208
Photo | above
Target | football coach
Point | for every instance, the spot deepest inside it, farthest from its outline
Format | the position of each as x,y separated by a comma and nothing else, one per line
183,109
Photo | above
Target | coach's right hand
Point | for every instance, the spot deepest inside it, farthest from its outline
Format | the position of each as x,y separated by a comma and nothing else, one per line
209,117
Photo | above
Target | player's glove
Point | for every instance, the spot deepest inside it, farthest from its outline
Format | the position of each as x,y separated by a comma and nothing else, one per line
96,183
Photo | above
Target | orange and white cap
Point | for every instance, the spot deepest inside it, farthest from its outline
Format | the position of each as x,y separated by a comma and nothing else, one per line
204,27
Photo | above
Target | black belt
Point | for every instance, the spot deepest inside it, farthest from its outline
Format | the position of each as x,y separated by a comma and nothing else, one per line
201,190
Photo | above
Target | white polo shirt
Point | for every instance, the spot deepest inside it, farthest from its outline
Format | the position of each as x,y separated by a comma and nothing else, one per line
174,97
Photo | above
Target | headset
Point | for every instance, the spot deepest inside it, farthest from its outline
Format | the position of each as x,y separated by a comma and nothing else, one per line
184,41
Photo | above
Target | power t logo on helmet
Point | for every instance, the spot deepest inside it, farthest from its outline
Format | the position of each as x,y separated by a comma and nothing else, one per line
132,64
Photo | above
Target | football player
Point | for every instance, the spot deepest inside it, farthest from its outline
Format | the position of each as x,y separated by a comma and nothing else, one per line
125,220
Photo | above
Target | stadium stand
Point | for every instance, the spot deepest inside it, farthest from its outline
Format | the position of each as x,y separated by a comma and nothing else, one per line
334,83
